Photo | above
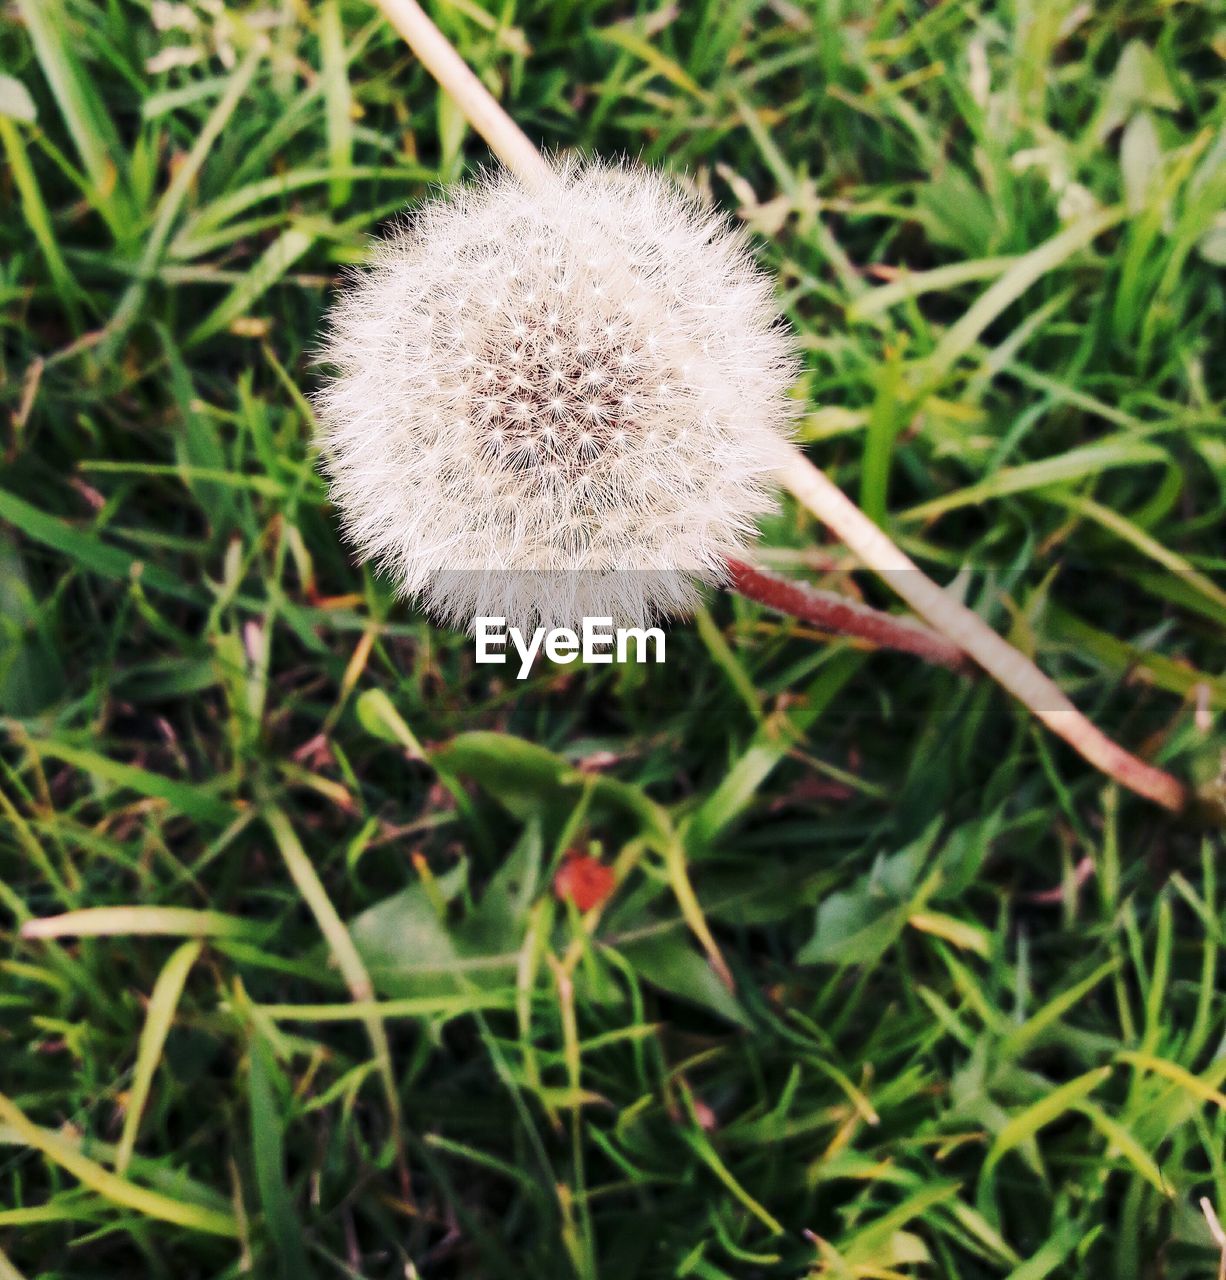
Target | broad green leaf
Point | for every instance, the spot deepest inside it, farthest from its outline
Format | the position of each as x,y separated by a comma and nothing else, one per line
1139,80
857,926
526,779
957,214
852,929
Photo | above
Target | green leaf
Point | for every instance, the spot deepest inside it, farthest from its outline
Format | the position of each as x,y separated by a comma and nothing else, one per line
1125,1144
914,284
852,928
520,775
1076,464
282,185
131,304
956,213
774,738
1027,1123
1140,161
1139,80
110,1186
172,922
337,99
410,950
193,801
91,128
857,926
1020,1040
158,1019
1025,272
381,720
268,1157
271,266
31,674
668,961
87,549
1212,245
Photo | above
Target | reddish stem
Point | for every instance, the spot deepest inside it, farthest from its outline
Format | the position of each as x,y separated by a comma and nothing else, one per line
841,616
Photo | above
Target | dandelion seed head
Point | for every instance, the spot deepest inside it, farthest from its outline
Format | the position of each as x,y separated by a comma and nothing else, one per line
589,428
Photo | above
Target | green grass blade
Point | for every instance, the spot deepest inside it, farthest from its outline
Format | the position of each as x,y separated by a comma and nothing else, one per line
340,943
268,1157
86,549
1025,1124
158,1019
1149,546
39,220
111,1186
1123,1142
915,284
273,263
1024,272
92,129
168,207
171,922
193,801
1076,464
337,99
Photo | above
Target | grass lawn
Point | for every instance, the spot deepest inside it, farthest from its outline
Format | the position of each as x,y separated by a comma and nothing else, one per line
327,1013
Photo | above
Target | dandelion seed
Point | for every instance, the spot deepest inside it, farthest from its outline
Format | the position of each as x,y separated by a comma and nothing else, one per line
632,403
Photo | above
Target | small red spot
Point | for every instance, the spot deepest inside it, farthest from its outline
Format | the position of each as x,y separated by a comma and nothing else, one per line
585,880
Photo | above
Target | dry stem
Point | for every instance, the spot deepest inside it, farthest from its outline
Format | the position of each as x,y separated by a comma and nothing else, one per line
994,654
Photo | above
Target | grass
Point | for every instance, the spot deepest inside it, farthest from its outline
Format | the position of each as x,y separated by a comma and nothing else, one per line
300,1000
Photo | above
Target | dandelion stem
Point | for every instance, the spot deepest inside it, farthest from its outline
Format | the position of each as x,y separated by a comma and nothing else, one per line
481,109
820,495
841,616
992,652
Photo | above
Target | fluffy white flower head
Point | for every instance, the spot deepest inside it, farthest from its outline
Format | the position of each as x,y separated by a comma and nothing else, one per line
557,400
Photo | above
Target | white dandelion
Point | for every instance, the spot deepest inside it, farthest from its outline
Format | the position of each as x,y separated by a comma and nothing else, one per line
556,399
